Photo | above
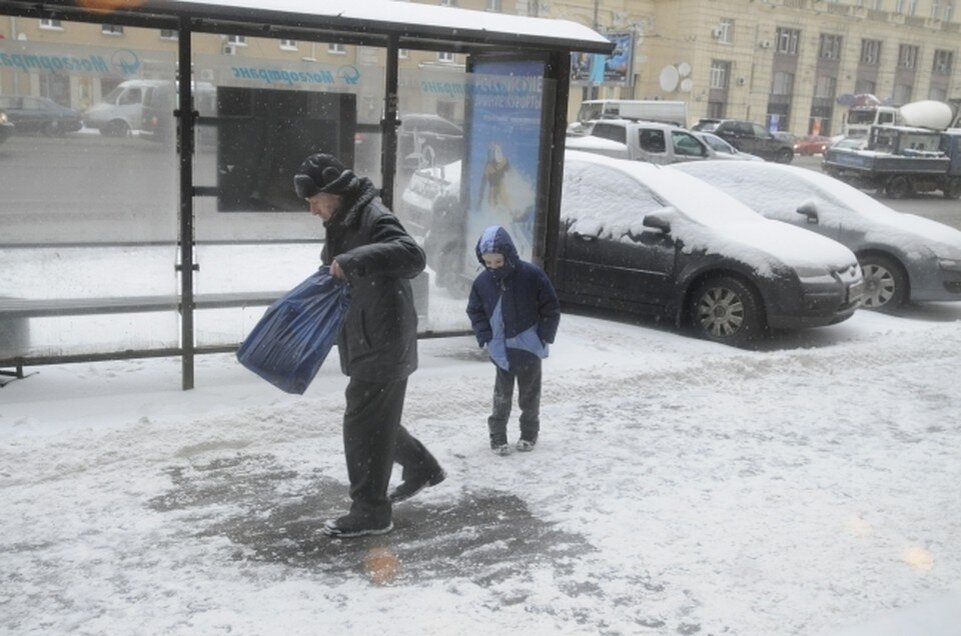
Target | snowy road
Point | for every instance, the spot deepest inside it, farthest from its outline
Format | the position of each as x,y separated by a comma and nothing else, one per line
680,487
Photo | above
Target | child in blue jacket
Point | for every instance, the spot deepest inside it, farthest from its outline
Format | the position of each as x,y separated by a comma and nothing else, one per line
514,311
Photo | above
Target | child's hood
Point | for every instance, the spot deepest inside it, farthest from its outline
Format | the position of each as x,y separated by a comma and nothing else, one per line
496,240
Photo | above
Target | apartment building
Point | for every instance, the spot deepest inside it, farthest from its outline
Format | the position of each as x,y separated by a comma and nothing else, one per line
791,64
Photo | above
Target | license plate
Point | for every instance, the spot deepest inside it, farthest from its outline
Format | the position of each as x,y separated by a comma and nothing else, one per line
855,291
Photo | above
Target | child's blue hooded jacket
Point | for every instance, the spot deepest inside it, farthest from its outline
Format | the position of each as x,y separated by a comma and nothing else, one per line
514,310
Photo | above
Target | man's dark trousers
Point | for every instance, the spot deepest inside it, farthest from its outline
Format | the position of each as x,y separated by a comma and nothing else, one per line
528,399
373,440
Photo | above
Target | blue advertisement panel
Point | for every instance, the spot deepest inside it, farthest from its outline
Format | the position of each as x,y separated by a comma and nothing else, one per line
504,126
610,70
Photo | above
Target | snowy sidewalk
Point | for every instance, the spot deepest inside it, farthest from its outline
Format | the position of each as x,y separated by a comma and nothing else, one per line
679,487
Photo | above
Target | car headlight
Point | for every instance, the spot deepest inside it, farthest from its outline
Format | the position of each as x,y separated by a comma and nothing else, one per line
3,118
951,264
813,274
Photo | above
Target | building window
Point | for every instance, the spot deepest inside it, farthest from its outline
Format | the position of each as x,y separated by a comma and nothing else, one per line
237,40
830,47
445,56
870,52
899,6
942,61
902,93
493,5
938,94
783,83
865,86
825,86
336,48
168,34
726,31
111,29
913,7
288,45
51,24
448,3
948,12
720,71
908,56
787,41
935,8
878,5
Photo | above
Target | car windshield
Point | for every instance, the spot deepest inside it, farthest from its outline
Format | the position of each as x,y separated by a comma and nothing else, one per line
861,116
718,144
112,95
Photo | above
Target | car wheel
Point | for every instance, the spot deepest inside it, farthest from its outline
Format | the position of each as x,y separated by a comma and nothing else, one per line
898,188
784,155
953,188
52,129
885,283
726,309
118,128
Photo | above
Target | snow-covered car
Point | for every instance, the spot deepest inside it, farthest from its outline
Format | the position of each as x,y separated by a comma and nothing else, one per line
425,140
646,239
425,187
722,149
904,257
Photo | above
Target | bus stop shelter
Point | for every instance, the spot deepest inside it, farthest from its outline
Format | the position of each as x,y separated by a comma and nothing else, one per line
166,223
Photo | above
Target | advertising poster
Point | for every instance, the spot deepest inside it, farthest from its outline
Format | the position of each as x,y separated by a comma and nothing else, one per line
614,69
505,107
617,67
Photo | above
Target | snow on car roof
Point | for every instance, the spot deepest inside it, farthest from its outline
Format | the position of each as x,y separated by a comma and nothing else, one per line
701,216
770,184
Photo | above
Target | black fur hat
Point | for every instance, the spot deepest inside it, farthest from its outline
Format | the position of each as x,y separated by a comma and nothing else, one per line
322,173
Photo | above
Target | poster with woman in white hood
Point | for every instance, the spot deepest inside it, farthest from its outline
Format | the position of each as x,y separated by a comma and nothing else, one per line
505,149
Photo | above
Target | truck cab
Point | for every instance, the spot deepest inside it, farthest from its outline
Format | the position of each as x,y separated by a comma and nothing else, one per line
642,141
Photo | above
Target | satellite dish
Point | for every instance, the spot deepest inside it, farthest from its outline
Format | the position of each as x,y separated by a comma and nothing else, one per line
669,78
684,69
687,84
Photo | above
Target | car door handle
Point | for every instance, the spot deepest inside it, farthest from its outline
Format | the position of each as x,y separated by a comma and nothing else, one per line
585,237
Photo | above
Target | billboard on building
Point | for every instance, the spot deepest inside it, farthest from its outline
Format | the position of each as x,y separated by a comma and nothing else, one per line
615,69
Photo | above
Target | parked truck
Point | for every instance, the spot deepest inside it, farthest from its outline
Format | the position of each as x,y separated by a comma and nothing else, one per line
901,161
928,113
642,141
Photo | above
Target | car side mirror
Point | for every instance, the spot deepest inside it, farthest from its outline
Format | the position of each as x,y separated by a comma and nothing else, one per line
658,222
810,210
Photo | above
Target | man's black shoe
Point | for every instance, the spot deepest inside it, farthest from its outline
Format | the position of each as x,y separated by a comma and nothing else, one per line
347,527
414,485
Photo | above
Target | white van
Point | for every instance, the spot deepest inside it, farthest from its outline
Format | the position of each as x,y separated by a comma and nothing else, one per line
663,111
121,111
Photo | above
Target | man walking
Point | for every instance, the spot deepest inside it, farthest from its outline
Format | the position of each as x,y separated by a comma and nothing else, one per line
368,247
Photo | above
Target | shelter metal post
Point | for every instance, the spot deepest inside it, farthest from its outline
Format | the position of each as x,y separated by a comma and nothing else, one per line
389,124
185,137
559,70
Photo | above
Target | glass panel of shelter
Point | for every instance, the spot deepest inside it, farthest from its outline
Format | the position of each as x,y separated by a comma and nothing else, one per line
89,209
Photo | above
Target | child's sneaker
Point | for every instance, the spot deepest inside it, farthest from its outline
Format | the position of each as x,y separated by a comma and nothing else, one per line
526,445
501,449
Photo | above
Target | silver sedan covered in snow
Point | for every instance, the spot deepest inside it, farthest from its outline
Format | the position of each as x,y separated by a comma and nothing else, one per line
904,257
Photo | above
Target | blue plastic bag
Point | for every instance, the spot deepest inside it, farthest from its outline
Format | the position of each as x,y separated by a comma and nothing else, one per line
289,344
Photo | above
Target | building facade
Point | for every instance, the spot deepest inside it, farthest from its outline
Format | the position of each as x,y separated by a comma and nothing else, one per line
790,64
